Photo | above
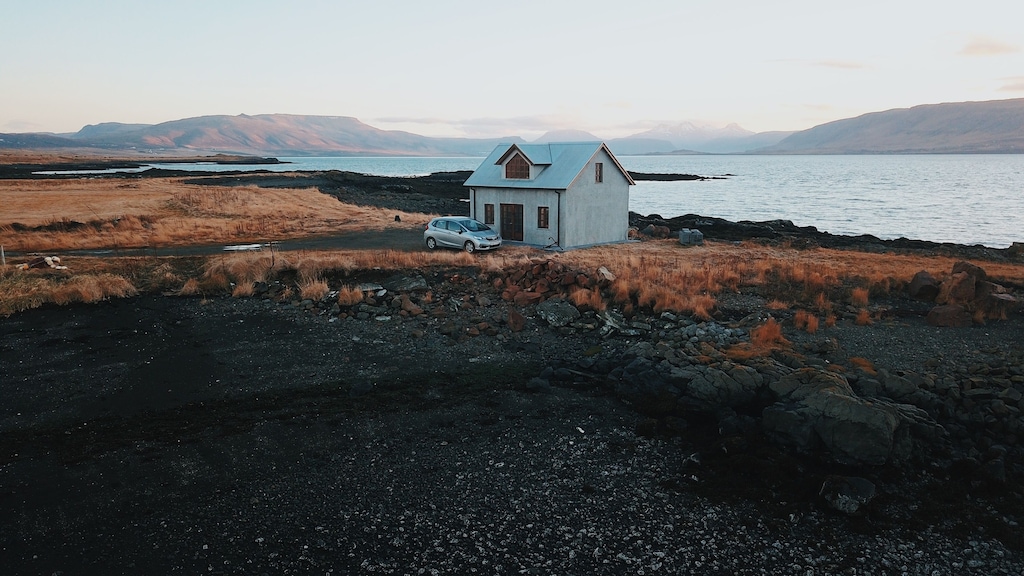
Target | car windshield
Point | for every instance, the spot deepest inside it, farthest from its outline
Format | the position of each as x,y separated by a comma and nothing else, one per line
474,226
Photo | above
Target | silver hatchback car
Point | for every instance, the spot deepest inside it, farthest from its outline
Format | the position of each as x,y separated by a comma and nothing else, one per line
460,232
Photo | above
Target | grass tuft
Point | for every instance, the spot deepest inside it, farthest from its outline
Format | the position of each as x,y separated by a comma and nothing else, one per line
349,295
768,335
859,297
313,289
806,321
864,364
863,318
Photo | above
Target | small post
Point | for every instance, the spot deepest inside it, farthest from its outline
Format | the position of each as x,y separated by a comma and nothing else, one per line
3,257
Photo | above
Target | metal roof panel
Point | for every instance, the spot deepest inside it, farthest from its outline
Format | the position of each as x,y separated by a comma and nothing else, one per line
561,163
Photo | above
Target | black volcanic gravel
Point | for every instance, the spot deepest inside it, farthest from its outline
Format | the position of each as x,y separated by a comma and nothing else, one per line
236,436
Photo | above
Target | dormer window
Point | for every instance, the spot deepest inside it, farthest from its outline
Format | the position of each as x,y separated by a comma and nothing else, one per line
517,168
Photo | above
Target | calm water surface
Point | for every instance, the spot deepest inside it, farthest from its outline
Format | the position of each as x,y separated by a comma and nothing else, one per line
967,199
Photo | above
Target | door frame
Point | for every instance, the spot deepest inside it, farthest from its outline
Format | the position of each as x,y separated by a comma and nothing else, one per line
512,222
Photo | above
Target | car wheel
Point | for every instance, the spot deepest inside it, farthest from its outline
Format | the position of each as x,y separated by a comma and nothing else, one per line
431,243
470,247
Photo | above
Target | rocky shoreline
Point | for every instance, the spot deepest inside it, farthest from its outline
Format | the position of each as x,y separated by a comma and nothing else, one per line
460,419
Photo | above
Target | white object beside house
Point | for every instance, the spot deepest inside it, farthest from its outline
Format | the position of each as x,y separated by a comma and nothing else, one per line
567,195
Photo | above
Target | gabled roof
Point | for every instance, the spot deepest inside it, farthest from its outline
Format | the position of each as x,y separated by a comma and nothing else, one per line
560,162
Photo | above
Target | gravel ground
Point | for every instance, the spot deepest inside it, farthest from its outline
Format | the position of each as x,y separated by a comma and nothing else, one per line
162,435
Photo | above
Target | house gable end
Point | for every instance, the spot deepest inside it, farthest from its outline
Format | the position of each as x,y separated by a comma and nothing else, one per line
517,167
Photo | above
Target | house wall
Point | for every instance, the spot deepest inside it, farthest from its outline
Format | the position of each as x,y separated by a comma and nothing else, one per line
530,199
596,213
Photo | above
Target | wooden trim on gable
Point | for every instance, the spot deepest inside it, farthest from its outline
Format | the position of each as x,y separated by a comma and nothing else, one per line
617,165
512,150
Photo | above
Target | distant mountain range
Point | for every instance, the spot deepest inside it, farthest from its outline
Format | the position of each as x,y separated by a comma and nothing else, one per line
995,126
967,127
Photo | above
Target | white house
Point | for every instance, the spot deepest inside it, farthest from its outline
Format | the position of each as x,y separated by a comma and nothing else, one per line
557,194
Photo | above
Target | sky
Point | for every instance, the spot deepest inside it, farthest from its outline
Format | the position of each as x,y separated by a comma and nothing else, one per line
482,69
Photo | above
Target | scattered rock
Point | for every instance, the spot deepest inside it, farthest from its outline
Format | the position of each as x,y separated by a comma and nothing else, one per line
847,494
516,321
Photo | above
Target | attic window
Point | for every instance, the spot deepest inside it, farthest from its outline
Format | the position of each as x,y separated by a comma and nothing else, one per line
598,172
518,168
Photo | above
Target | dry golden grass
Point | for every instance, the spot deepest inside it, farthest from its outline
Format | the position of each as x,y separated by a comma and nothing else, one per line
863,318
763,340
190,288
768,335
313,289
242,290
349,295
804,320
21,290
153,212
859,296
651,276
587,298
864,364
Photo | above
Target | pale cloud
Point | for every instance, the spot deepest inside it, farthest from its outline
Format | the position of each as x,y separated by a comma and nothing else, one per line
984,46
481,127
21,126
409,120
619,105
1014,84
840,64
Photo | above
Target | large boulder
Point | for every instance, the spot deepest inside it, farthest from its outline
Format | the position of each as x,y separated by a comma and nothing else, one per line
972,270
405,283
817,410
993,300
949,315
728,386
655,231
923,286
557,312
847,494
957,289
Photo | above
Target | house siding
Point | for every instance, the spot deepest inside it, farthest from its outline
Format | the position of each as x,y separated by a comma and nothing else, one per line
531,200
599,212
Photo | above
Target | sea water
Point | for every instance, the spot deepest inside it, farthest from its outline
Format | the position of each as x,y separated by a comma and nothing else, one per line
966,199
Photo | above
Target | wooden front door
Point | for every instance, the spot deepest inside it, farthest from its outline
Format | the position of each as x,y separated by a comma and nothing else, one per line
512,222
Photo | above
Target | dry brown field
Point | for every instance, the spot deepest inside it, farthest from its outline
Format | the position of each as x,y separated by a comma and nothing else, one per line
165,212
152,212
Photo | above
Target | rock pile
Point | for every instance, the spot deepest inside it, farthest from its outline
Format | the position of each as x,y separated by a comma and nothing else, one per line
964,297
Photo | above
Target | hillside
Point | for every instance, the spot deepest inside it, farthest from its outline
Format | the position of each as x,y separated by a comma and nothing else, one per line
995,126
965,127
690,137
265,134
